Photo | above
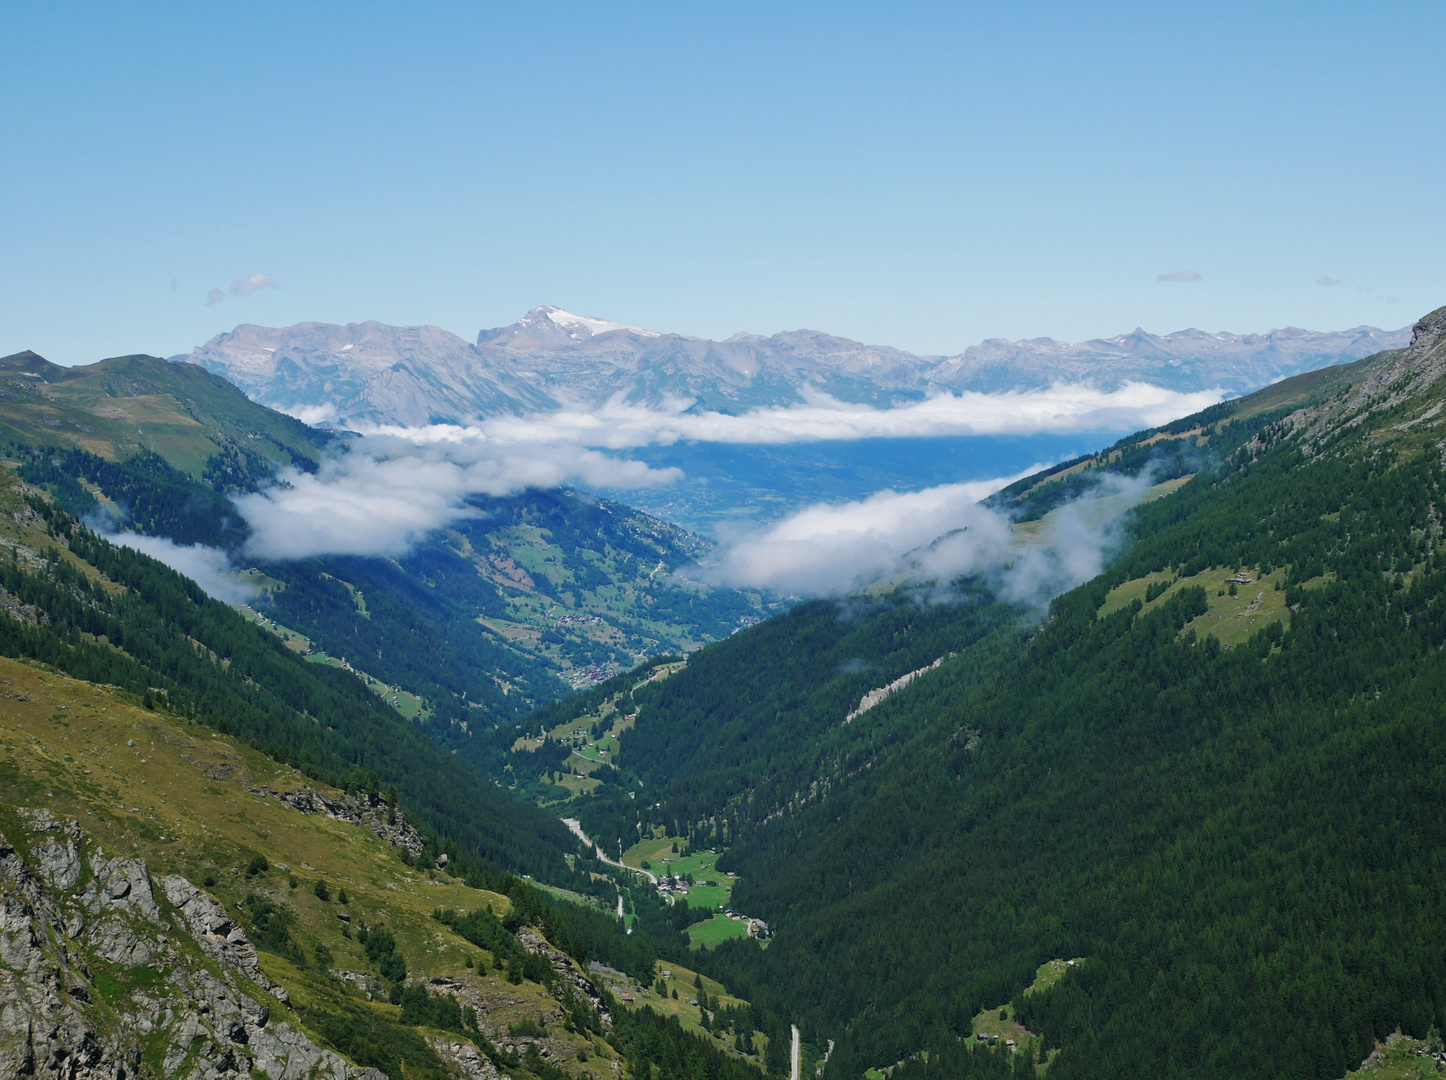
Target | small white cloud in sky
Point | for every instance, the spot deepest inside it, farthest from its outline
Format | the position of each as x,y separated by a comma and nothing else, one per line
242,287
1327,280
252,283
1180,275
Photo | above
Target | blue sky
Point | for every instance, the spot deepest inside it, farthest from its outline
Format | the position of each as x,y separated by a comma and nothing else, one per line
912,174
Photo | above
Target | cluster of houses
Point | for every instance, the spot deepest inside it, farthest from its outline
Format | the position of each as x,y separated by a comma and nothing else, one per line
756,927
588,676
669,886
575,620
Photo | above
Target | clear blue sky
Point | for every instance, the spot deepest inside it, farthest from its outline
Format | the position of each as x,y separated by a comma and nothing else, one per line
923,175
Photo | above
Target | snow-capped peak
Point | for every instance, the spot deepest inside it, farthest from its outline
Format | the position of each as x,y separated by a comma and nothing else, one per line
584,326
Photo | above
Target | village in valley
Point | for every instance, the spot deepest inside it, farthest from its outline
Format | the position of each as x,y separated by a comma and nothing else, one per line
692,877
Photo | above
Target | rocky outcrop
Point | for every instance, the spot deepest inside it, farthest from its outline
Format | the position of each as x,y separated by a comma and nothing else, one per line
387,822
217,934
564,965
470,1062
874,697
99,979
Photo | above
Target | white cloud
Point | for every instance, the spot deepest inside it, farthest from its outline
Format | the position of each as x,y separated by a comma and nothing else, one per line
934,535
314,414
1180,275
836,548
1062,408
252,283
1071,544
243,287
388,492
397,484
208,567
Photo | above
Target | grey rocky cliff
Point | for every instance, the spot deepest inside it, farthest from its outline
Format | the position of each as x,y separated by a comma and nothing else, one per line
470,1062
99,980
386,822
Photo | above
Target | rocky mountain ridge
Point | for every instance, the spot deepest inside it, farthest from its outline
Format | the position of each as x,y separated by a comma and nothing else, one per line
371,373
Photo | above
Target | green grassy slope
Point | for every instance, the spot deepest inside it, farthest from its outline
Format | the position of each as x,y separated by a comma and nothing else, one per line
117,408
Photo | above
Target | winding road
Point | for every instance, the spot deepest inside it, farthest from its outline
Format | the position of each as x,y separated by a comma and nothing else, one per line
576,827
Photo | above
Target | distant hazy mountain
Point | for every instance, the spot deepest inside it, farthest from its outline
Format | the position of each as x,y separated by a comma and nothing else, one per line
371,372
1185,360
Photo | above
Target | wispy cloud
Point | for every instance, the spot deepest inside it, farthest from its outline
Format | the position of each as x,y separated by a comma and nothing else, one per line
835,548
1327,280
251,283
1180,275
936,535
208,567
395,484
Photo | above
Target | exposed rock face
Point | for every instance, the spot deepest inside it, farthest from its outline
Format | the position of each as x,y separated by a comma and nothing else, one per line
386,822
222,939
565,966
69,913
466,1059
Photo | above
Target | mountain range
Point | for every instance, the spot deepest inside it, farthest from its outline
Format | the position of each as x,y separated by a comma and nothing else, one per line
370,373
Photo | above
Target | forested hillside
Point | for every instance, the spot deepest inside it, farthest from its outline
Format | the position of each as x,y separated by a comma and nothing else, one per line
1214,773
110,615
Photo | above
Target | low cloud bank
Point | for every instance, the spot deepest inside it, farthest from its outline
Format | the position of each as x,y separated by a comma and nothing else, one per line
208,567
365,505
829,549
398,484
616,425
934,535
388,492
